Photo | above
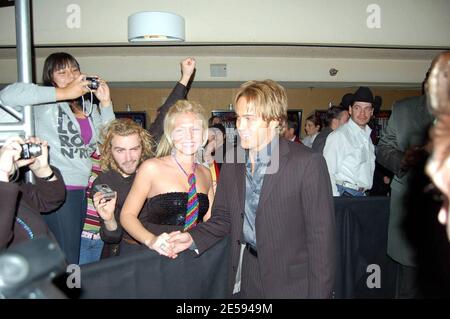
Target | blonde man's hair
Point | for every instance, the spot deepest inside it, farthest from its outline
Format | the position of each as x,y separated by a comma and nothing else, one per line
166,145
267,98
123,127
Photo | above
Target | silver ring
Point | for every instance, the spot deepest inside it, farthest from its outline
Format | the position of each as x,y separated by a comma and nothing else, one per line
162,246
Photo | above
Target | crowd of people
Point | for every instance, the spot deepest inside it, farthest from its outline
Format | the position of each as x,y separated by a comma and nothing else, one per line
107,187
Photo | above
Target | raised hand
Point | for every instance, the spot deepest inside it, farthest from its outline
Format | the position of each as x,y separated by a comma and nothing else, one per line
187,69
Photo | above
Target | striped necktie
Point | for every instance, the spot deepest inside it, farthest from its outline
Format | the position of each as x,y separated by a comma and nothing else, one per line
192,204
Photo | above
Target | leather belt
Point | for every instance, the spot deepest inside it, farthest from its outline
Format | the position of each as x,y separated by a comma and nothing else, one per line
89,235
251,250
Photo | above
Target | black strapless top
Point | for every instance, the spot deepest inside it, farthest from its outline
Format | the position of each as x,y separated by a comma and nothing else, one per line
170,208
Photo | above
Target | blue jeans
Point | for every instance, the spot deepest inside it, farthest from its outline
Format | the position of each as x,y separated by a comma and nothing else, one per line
66,224
90,250
341,189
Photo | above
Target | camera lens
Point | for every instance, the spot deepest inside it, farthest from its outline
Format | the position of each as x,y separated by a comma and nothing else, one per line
35,150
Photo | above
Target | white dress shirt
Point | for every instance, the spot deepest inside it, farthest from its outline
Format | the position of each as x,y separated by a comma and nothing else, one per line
350,156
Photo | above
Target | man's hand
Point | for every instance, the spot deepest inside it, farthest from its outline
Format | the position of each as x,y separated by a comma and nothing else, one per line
161,245
180,242
105,209
187,69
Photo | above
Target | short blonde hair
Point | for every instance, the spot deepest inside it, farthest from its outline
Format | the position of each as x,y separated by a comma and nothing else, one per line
166,145
123,127
267,98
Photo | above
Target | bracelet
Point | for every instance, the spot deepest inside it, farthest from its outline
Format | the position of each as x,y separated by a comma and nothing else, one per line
49,177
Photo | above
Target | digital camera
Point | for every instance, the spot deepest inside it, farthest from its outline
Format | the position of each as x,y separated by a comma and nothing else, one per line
30,150
108,193
94,82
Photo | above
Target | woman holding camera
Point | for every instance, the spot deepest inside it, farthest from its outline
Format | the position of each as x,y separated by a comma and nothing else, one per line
22,203
71,128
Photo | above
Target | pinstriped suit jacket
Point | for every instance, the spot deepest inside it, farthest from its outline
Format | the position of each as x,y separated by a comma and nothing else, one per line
295,224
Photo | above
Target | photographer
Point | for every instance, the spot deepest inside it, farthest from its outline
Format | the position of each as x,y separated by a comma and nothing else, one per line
22,203
71,125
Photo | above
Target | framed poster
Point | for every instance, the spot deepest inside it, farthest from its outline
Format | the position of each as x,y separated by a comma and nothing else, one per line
138,117
228,118
296,116
378,123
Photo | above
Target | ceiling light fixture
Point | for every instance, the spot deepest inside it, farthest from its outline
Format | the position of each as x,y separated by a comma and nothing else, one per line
155,26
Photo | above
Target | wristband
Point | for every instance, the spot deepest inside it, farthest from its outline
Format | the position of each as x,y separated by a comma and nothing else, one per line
49,177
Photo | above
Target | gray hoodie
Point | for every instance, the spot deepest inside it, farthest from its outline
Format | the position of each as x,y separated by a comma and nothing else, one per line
56,123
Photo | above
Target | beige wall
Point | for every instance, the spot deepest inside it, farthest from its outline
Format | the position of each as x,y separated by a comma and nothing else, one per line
156,68
149,100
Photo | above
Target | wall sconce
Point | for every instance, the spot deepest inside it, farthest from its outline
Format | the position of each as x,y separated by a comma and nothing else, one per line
155,26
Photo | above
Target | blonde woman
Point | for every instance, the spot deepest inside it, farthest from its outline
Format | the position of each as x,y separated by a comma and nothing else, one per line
173,192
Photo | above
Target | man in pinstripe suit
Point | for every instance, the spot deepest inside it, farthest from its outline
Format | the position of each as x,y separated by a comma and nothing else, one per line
277,203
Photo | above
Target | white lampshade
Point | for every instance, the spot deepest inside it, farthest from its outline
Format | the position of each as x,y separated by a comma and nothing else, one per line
155,26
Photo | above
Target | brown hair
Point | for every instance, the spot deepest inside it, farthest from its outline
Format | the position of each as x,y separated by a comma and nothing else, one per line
267,98
315,120
55,62
123,127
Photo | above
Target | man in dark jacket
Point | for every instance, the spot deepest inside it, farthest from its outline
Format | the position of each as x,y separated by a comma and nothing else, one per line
276,204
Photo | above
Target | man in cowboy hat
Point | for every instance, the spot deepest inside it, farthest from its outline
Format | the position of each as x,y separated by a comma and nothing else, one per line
349,150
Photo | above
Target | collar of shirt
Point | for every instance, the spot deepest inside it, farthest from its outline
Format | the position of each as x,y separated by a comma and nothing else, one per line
357,129
262,156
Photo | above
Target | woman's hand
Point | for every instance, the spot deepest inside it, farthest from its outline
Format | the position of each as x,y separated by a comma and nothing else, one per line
74,90
103,93
161,245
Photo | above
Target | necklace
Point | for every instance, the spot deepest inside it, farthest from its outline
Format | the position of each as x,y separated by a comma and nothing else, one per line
194,166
